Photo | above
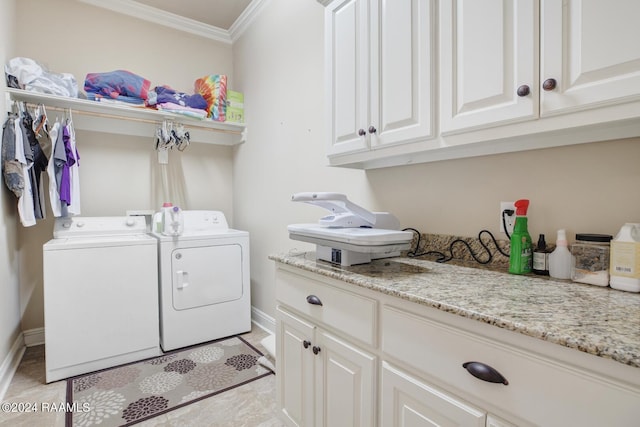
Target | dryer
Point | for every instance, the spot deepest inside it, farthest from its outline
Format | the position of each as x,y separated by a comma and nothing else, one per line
204,281
100,295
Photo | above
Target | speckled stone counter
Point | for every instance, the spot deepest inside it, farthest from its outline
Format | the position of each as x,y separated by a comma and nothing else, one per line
600,321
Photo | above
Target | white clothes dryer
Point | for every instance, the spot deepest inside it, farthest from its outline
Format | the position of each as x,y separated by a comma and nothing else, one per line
204,281
100,295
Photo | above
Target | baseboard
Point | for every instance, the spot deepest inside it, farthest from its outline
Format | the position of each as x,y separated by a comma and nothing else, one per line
10,364
263,320
33,337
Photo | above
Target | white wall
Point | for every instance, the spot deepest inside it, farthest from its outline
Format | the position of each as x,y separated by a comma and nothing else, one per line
9,287
119,172
282,79
586,188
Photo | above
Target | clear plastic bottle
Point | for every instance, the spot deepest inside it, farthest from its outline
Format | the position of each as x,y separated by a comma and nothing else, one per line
560,259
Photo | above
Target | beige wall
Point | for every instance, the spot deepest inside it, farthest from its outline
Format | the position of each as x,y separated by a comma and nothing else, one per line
585,188
9,292
120,172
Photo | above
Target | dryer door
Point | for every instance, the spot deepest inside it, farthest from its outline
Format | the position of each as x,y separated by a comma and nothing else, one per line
206,275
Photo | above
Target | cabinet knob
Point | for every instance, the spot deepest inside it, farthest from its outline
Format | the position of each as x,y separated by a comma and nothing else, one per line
372,129
316,349
484,372
312,299
549,84
362,132
523,90
306,343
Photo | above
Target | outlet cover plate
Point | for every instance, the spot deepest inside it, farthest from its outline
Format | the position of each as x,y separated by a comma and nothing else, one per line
509,220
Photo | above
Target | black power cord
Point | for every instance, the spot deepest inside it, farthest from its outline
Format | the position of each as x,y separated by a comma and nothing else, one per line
444,258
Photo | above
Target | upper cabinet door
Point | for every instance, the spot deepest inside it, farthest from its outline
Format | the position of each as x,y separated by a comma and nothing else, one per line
379,70
489,62
591,48
347,74
403,40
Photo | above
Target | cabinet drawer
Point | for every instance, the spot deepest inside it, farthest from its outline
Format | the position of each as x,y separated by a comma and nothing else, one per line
539,390
341,310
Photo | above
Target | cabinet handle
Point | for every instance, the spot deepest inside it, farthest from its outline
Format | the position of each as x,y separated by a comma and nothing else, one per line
523,90
549,84
484,372
312,299
316,349
306,343
362,132
372,129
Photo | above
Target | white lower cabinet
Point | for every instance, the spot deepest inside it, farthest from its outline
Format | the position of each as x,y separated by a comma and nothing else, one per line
323,380
532,387
408,365
409,402
326,376
295,369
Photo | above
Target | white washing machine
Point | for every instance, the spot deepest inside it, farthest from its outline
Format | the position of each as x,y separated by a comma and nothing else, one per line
100,295
204,281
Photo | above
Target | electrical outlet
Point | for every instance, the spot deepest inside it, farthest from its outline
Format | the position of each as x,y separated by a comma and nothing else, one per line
509,220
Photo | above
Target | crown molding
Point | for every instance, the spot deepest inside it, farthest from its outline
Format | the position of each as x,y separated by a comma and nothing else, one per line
167,19
246,18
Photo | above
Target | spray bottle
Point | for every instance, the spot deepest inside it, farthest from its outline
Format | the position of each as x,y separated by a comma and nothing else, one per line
520,259
560,259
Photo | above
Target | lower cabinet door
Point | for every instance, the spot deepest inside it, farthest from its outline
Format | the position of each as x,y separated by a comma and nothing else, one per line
295,369
345,383
409,402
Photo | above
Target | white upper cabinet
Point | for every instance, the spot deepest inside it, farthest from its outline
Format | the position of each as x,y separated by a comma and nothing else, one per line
379,71
488,62
421,81
496,67
347,73
591,49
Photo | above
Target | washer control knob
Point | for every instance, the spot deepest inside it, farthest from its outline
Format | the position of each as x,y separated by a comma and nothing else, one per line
80,224
178,255
130,222
66,224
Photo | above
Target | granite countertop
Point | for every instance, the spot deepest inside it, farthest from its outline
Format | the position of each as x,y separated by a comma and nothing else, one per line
597,320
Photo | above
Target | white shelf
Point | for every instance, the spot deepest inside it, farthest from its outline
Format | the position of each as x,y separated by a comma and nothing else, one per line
128,120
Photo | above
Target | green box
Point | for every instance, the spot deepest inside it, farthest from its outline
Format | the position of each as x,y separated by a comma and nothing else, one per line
235,107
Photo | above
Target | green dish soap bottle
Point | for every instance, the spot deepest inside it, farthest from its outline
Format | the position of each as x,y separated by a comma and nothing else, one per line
521,256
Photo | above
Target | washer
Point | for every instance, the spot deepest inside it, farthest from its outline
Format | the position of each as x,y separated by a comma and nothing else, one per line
204,281
100,295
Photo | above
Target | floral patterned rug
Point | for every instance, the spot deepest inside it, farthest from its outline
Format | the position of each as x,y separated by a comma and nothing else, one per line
132,393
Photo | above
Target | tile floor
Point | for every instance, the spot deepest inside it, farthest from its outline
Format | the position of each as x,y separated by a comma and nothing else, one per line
250,405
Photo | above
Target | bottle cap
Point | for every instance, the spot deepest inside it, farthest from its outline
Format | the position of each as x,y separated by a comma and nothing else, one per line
521,207
542,244
562,238
167,204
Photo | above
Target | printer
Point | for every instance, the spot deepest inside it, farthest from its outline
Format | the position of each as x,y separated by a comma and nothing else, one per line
350,234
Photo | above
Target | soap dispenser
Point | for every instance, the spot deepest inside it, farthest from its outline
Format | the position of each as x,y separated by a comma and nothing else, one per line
560,258
520,258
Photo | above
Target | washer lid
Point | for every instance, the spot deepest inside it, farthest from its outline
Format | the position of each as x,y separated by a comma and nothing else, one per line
79,226
85,242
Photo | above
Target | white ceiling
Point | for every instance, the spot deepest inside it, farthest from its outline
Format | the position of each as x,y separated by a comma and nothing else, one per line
217,13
